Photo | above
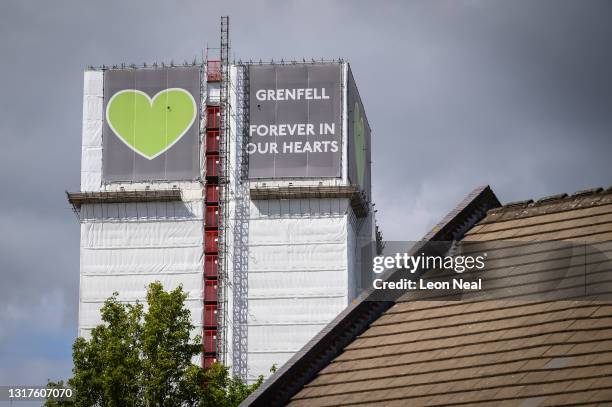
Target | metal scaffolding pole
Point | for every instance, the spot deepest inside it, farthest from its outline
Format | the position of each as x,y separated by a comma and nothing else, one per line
224,140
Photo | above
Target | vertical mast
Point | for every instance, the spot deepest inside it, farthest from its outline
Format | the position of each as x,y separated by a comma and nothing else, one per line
216,188
224,140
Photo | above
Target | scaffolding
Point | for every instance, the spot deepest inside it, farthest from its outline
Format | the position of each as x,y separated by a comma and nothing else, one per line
223,170
216,197
76,199
144,205
240,280
358,199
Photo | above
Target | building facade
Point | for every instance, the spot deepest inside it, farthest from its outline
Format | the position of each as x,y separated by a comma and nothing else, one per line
246,184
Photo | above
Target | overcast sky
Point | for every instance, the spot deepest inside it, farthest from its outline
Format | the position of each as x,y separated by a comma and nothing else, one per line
514,94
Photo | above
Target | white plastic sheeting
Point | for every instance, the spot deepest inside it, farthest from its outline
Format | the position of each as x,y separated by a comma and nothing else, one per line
126,254
295,310
295,283
298,275
280,338
292,256
299,208
91,158
142,211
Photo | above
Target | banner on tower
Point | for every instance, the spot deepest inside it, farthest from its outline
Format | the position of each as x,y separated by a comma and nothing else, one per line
359,140
295,128
151,125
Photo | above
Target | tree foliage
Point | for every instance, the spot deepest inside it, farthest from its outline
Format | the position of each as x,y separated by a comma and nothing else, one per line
143,358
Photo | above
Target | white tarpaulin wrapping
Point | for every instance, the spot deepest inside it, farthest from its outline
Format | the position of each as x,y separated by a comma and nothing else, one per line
91,158
290,257
160,234
143,212
140,260
126,255
92,135
296,310
298,278
310,209
281,338
299,231
295,283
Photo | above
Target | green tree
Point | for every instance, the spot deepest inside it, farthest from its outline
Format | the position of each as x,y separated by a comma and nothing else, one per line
168,376
57,403
139,358
108,368
223,390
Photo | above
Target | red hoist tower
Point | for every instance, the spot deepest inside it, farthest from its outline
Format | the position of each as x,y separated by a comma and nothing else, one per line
216,148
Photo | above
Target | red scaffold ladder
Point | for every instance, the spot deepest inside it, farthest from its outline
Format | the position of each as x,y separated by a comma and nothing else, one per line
216,148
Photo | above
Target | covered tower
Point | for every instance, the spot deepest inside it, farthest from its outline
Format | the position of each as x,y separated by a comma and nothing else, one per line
247,184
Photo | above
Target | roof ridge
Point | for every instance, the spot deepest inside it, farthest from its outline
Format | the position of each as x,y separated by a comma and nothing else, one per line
557,197
542,203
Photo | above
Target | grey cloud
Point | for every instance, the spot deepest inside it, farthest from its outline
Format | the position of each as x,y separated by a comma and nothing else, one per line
516,94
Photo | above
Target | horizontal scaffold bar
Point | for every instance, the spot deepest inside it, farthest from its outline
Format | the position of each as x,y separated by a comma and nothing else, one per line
359,202
77,199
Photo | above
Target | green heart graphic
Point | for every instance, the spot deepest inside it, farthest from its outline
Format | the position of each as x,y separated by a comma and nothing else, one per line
359,140
151,126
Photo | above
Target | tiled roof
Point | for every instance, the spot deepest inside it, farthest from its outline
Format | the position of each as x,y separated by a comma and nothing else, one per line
493,351
585,216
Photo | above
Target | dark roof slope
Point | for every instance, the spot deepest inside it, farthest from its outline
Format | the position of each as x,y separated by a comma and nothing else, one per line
492,351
